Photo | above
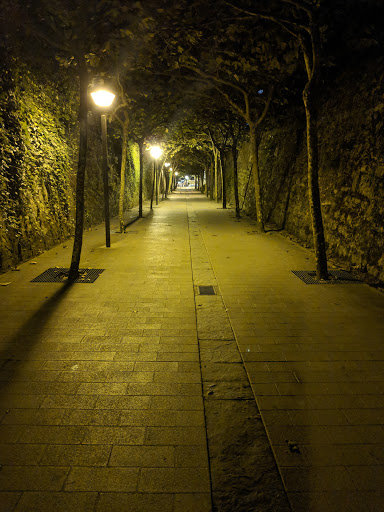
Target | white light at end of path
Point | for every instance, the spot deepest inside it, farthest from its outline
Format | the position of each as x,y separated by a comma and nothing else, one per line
103,98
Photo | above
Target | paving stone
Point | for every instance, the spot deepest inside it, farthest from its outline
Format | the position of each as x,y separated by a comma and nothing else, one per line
8,500
30,478
175,436
69,402
60,502
11,433
191,456
20,454
163,418
114,435
75,455
53,434
180,403
116,502
123,402
174,480
143,456
102,479
193,502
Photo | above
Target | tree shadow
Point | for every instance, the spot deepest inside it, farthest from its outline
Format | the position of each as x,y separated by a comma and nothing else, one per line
23,341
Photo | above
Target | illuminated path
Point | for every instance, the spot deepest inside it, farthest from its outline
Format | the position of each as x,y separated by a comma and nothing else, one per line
138,393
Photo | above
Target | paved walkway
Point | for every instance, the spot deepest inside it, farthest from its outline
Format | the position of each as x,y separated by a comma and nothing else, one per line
105,399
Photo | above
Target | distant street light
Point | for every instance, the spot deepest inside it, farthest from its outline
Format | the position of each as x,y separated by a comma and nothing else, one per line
104,99
156,152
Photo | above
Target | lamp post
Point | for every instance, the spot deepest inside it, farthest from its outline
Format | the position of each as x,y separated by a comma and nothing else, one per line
104,99
156,152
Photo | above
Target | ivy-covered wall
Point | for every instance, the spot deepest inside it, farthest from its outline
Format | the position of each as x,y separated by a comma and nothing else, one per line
36,153
38,161
351,138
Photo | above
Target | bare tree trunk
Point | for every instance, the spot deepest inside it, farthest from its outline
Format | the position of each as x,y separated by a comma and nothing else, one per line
235,179
223,181
256,176
313,185
310,48
122,176
80,179
141,178
216,175
153,182
170,181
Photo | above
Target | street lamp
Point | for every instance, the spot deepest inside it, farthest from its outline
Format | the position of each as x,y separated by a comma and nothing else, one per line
156,152
104,100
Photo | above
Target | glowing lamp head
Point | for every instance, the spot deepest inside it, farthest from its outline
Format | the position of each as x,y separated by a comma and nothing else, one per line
156,151
176,173
167,164
103,98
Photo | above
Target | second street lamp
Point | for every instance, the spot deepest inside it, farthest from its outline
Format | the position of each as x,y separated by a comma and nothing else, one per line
104,100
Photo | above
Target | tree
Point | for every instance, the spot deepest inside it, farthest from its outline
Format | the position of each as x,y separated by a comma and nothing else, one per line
300,19
79,34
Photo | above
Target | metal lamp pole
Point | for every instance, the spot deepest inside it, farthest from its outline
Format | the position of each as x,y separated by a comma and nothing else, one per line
104,99
105,179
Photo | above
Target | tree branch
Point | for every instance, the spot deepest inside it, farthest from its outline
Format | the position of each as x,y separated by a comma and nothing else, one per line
276,19
213,78
266,106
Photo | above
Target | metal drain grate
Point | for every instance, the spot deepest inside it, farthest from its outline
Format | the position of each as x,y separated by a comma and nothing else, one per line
60,275
335,277
206,290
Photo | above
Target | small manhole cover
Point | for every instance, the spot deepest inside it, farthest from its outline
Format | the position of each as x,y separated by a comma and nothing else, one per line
335,277
206,290
60,275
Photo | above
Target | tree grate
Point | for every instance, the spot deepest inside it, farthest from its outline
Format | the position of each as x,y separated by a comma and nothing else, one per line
206,290
335,277
60,275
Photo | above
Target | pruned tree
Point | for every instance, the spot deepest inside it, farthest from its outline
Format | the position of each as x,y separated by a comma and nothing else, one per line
300,19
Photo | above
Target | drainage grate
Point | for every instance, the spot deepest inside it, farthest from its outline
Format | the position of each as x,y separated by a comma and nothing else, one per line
206,290
335,277
60,275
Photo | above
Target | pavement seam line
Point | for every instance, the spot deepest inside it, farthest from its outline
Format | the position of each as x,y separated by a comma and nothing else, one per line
198,346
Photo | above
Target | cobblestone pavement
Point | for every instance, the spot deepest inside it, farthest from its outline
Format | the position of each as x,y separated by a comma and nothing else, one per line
112,392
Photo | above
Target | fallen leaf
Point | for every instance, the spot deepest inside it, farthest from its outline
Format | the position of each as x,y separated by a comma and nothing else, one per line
4,284
33,262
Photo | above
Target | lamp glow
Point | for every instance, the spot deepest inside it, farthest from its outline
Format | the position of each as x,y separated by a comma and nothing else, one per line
167,164
103,98
156,151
